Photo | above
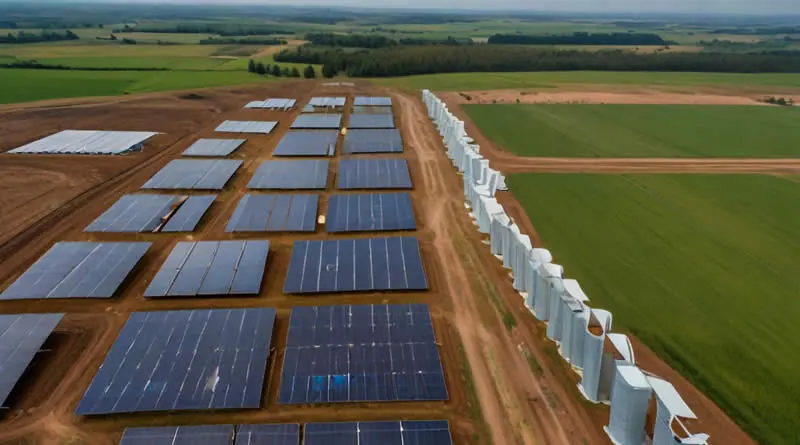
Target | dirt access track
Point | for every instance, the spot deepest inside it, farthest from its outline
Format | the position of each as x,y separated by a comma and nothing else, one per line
506,385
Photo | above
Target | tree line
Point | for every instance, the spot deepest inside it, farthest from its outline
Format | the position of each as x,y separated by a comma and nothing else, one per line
277,71
44,36
248,41
581,38
222,29
35,65
374,41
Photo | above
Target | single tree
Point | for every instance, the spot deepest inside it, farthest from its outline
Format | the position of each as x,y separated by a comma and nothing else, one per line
309,72
251,66
276,71
328,71
268,69
295,72
261,69
286,72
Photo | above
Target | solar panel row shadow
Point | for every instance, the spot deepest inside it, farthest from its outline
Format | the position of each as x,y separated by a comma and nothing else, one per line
211,268
370,212
307,143
184,360
291,175
77,270
194,174
371,121
275,213
372,141
189,214
320,121
214,147
146,213
368,264
373,174
21,337
361,353
406,432
373,101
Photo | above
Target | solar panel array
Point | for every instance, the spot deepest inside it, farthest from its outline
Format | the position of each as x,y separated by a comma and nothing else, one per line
147,213
372,141
87,142
178,435
365,353
373,174
328,102
184,360
355,265
211,268
273,104
405,432
370,212
253,127
194,174
361,109
317,121
77,270
371,121
21,337
214,147
307,143
373,101
275,213
290,175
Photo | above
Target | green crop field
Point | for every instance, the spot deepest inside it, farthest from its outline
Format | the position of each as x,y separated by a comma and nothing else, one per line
641,130
702,268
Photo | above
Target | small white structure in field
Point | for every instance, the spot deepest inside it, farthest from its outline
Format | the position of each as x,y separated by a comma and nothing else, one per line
630,399
671,409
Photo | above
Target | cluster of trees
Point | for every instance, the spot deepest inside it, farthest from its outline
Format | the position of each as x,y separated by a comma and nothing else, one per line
580,38
782,101
772,30
44,36
401,61
34,65
374,41
223,29
277,71
247,41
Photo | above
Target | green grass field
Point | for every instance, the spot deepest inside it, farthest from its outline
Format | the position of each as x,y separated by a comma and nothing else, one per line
702,268
641,130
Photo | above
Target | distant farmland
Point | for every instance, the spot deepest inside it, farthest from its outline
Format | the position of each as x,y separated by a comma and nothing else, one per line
701,268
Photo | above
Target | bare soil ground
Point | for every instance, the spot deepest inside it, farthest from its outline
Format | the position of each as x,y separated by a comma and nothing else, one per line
597,97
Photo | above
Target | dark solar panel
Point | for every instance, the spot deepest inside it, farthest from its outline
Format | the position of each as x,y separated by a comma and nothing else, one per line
275,213
268,434
373,101
371,121
291,175
370,212
211,268
194,174
77,270
361,353
367,109
146,213
307,143
317,121
179,435
214,147
21,337
406,432
367,264
372,141
184,360
373,174
189,214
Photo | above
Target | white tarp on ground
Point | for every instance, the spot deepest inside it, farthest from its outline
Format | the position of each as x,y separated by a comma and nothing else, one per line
631,397
87,142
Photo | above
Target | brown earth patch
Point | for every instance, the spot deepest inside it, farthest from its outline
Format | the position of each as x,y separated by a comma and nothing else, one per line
596,97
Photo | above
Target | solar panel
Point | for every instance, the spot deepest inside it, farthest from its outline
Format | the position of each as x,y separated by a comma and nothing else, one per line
178,435
328,102
317,121
360,109
273,104
373,101
291,175
194,174
214,147
146,213
370,212
371,121
211,268
87,142
405,432
77,270
372,141
367,264
268,434
21,337
364,353
373,174
184,360
275,213
253,127
307,143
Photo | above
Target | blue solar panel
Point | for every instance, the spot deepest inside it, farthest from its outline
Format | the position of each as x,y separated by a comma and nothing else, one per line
184,360
178,435
211,268
373,174
275,213
134,213
367,264
320,121
371,121
214,147
194,174
268,434
370,212
372,141
373,101
361,353
406,432
21,337
77,270
291,175
307,143
189,214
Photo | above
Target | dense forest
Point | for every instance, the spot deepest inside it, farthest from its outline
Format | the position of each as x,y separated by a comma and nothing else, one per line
580,38
773,30
375,41
44,36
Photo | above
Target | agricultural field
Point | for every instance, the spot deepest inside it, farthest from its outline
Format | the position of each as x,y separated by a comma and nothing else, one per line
702,268
640,131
